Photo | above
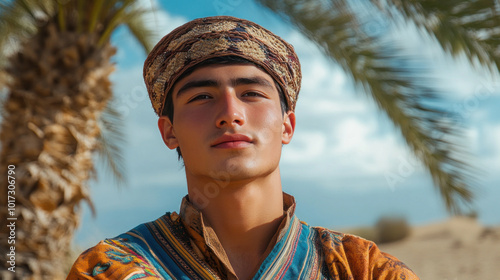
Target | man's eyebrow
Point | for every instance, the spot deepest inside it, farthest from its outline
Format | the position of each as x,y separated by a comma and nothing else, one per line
197,84
251,81
233,82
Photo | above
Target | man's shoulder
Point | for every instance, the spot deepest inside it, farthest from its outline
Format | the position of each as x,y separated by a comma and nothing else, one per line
120,257
108,261
340,240
350,255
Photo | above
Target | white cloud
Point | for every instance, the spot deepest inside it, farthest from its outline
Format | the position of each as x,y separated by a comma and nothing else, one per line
160,20
308,146
491,145
363,148
471,135
319,74
495,142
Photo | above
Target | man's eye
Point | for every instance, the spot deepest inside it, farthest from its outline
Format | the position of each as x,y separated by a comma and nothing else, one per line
199,97
252,93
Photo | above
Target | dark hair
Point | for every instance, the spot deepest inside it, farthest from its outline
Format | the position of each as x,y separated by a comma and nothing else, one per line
168,109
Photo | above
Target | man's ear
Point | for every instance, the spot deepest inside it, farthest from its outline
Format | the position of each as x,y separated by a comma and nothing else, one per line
167,132
288,127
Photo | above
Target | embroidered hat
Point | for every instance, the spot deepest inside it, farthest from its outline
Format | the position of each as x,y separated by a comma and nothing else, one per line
205,38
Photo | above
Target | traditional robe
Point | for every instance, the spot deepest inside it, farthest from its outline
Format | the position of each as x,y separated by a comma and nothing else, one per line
186,247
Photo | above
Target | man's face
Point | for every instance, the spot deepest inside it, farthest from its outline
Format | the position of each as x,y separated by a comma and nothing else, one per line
228,123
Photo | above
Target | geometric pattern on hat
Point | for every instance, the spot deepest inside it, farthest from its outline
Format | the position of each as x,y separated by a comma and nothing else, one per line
205,38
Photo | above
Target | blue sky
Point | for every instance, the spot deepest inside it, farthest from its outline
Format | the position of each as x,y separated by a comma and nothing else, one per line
343,149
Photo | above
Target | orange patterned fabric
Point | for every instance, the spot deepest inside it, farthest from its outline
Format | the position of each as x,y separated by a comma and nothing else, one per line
109,260
351,257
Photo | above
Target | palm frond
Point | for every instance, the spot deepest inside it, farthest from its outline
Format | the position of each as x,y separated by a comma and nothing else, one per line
12,28
111,140
141,32
397,86
121,12
461,27
61,17
95,13
19,19
114,19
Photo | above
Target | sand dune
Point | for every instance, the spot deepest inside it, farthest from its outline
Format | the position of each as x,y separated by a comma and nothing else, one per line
457,249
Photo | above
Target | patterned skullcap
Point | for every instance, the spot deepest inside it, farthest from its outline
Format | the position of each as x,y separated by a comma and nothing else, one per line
205,38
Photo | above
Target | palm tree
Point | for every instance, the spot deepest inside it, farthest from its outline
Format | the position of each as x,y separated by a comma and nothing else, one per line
342,30
55,115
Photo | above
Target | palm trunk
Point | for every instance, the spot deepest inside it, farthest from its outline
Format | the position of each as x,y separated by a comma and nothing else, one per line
58,86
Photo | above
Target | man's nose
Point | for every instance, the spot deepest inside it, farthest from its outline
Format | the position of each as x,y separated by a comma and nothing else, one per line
231,112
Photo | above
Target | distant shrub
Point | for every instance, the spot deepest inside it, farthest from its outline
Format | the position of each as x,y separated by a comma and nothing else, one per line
368,233
390,229
471,214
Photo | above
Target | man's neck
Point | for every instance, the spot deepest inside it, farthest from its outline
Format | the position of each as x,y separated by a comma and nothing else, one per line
245,215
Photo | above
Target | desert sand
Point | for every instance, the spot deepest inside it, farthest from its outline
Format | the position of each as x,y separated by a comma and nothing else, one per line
457,249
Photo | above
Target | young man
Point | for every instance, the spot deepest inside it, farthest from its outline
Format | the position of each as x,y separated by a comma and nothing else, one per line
225,92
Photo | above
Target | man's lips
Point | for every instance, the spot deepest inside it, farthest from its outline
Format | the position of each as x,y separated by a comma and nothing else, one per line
232,141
